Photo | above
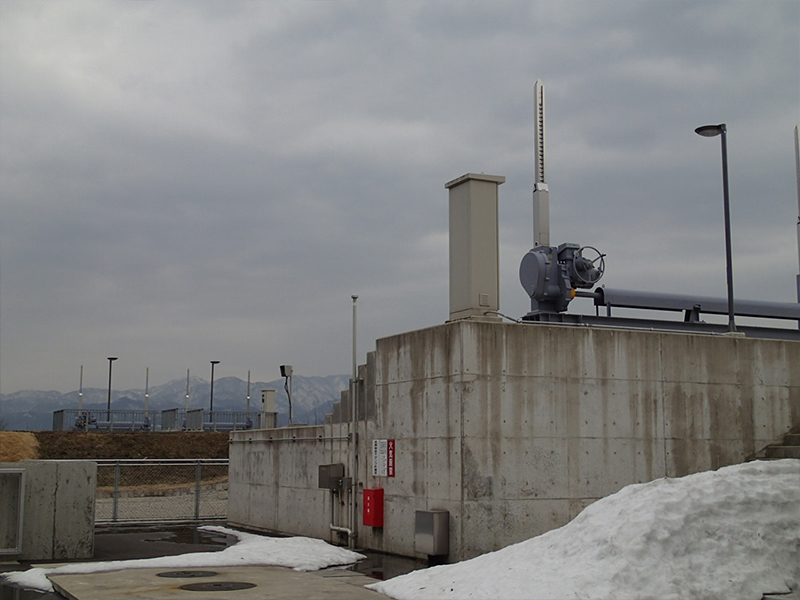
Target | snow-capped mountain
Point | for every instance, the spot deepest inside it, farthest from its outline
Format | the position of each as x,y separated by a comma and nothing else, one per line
312,398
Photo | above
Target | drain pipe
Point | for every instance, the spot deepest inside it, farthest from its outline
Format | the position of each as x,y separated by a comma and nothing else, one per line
338,528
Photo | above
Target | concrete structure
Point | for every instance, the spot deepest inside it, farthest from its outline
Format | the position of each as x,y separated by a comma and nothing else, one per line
515,428
58,509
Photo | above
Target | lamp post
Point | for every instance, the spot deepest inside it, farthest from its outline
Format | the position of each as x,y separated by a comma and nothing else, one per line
111,360
713,131
213,363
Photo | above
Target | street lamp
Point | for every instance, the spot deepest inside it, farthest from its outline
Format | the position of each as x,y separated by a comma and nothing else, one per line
213,362
713,131
111,360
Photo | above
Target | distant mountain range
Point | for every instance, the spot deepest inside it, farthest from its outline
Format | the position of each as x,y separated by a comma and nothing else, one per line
312,399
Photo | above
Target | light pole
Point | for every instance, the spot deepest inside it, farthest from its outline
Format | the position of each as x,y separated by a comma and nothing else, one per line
713,131
213,363
111,360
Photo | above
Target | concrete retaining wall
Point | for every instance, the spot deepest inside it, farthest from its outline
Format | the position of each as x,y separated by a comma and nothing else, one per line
514,429
59,509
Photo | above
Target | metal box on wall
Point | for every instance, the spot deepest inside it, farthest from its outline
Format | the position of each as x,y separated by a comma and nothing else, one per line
373,507
331,476
432,532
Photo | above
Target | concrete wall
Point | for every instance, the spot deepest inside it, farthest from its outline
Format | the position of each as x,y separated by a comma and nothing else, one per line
516,428
59,509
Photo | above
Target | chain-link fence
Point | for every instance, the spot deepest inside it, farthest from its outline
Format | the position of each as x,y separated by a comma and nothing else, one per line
161,491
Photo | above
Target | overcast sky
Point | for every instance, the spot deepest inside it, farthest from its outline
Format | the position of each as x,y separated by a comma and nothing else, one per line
192,181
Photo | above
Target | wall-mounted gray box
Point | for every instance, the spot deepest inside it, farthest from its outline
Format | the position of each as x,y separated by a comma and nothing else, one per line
331,476
432,532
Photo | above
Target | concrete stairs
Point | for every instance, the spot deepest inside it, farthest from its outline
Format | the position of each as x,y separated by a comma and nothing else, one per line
788,447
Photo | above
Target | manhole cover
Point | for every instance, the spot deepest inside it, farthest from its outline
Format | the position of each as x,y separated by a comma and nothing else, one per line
217,586
185,574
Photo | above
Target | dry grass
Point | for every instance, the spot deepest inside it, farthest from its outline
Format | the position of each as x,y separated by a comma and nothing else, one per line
18,445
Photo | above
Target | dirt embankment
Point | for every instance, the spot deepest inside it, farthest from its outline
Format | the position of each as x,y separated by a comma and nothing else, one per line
16,446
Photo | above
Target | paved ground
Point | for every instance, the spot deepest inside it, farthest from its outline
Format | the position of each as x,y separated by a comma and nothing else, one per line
271,583
267,583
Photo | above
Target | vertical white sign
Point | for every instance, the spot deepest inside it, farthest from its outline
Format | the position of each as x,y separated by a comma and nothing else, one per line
380,456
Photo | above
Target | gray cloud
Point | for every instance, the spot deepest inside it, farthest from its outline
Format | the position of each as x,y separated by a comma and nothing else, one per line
192,181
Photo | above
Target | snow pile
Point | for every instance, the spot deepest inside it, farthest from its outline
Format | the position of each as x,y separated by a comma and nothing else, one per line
299,553
731,533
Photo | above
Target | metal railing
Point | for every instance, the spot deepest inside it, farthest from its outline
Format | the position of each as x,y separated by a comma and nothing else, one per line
177,419
161,491
69,419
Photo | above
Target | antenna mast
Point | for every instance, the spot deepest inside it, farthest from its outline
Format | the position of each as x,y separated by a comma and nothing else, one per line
541,194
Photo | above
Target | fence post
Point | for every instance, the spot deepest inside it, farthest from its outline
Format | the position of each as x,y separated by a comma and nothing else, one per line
197,480
116,493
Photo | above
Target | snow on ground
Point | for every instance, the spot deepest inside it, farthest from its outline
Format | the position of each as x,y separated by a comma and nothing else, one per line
299,553
731,533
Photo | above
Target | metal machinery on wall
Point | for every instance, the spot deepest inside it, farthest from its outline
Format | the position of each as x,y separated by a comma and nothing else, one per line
551,275
554,275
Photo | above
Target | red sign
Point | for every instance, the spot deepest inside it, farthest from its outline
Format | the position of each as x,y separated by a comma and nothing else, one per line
390,458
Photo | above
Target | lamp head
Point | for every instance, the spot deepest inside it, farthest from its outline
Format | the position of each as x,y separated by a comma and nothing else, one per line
710,130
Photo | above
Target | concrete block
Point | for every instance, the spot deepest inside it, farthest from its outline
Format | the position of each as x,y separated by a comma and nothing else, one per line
775,408
700,358
238,502
307,512
533,469
59,509
599,467
73,521
443,469
264,507
547,403
398,523
527,351
40,507
684,457
398,358
410,468
442,408
492,525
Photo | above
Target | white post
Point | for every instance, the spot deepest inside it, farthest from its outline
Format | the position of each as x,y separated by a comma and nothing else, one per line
147,390
80,392
248,392
186,403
